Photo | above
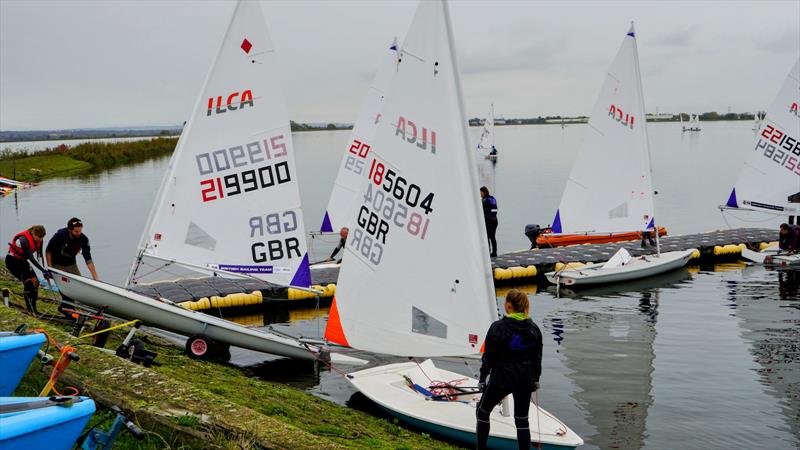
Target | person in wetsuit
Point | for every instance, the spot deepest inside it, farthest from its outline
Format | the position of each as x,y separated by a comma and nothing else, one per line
789,238
24,248
490,217
62,251
512,361
342,241
64,247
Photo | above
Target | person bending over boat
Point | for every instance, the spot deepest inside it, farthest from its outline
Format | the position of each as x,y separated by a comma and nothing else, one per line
23,248
342,241
512,360
789,239
63,249
490,217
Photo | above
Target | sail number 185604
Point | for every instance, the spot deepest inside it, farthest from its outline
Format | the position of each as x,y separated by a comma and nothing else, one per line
399,188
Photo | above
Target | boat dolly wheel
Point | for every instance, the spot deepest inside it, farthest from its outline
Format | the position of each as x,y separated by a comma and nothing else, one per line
198,346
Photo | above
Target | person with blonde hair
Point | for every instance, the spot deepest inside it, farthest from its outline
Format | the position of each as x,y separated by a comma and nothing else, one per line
512,361
24,247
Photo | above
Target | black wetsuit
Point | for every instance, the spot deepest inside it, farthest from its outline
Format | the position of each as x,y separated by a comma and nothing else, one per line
490,217
791,240
64,248
512,358
339,247
18,265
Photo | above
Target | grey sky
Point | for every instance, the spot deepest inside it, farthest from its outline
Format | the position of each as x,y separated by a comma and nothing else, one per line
69,64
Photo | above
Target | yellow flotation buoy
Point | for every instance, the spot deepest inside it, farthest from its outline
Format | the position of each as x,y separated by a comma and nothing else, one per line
766,245
696,254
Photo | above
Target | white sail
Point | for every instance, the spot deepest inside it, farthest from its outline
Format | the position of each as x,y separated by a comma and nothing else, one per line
610,189
485,145
486,139
230,199
771,171
356,160
420,216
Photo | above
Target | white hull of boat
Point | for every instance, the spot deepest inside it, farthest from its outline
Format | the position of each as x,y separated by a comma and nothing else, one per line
640,267
171,317
387,387
771,256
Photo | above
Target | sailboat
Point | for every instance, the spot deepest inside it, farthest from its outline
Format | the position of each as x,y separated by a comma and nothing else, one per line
352,173
770,179
420,215
618,202
694,123
609,193
487,153
486,144
229,203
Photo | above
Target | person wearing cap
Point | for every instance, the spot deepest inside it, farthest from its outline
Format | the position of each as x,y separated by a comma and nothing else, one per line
22,250
64,247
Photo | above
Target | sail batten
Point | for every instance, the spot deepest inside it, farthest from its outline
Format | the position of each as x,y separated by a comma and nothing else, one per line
418,210
771,171
609,188
230,200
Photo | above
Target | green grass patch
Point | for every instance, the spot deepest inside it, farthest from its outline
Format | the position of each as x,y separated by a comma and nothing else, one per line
65,161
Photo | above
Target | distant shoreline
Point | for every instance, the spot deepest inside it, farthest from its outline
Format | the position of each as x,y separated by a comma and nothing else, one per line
7,137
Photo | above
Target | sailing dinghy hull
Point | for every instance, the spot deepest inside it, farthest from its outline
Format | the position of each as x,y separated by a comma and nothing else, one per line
170,317
771,257
547,240
641,267
454,420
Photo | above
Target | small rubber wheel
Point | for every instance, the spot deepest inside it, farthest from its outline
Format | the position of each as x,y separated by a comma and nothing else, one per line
99,340
198,347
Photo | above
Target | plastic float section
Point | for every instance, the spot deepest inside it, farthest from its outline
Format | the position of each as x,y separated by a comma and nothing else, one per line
254,298
730,249
514,272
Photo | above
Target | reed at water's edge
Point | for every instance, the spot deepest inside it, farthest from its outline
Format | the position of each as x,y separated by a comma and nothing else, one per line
63,160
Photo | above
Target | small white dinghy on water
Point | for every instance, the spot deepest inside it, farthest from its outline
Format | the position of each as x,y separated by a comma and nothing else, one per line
772,256
229,203
610,185
621,267
417,210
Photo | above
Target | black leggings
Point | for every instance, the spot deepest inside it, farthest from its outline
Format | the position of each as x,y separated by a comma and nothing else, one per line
491,229
30,283
490,398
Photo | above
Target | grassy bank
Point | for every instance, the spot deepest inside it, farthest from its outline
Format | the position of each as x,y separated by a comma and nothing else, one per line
186,403
63,160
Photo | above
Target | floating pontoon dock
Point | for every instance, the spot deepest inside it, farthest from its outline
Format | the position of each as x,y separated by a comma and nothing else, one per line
511,268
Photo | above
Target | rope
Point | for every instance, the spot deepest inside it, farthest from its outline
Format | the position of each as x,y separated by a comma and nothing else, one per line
109,329
58,368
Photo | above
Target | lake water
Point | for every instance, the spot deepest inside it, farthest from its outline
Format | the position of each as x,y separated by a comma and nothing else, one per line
694,359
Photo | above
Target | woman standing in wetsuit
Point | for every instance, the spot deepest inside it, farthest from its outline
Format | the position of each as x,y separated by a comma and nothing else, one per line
490,217
24,247
512,359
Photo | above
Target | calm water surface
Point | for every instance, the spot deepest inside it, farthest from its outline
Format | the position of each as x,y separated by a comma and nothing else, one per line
694,359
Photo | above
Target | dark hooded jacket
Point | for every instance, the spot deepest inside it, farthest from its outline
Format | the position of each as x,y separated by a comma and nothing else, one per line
791,240
513,354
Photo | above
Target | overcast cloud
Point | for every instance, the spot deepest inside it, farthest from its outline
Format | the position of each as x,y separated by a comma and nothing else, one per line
69,64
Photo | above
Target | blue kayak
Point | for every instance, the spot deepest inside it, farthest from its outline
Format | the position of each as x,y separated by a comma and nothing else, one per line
55,423
16,354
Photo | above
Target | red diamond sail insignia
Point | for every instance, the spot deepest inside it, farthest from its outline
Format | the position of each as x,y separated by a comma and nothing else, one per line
246,45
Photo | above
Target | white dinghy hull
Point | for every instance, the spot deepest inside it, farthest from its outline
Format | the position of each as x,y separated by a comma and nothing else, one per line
771,257
171,317
641,267
454,420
